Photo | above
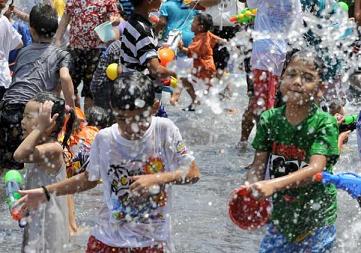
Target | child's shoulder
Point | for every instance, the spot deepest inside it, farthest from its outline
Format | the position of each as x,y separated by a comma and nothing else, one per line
164,124
324,117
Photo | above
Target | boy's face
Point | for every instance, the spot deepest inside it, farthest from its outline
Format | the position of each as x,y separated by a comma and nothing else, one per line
300,83
134,123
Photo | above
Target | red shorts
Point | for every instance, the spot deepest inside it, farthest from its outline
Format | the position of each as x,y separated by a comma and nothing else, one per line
265,85
96,246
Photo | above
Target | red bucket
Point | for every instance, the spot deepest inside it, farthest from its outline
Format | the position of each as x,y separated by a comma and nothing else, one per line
247,212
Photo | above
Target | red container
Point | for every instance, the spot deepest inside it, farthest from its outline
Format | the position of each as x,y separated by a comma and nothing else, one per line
247,212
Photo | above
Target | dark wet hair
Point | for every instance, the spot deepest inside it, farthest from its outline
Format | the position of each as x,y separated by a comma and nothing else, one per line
206,21
97,116
43,20
59,108
132,91
309,55
137,3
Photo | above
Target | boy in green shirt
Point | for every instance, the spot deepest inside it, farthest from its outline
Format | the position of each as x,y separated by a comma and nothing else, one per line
296,141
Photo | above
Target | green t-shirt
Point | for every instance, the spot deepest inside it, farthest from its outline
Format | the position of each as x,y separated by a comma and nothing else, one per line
298,211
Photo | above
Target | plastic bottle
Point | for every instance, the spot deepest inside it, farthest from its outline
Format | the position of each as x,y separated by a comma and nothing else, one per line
13,183
346,181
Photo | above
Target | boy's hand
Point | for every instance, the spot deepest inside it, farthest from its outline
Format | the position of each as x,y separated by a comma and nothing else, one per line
45,120
262,189
143,182
32,198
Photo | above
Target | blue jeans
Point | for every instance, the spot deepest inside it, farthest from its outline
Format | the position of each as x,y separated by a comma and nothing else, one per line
320,241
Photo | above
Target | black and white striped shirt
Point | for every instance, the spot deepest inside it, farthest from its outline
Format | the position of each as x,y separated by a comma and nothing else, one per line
139,44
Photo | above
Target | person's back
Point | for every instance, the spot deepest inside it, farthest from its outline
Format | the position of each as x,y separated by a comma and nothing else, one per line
36,70
179,17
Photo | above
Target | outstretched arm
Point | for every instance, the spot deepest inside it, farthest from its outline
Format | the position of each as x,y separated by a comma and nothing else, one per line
79,183
268,187
61,29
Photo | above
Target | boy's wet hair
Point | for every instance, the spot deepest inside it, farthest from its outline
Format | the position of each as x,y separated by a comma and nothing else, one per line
132,91
43,20
309,55
60,109
97,116
206,21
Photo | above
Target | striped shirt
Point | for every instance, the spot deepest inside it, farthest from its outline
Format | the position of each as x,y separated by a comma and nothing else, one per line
139,44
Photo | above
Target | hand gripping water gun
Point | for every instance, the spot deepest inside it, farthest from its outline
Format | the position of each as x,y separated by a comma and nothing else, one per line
13,183
349,123
167,54
346,181
246,16
247,212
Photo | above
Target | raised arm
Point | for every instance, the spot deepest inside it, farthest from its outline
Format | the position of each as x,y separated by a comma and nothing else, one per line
64,22
67,86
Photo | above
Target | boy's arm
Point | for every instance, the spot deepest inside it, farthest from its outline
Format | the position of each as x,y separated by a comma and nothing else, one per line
266,188
189,176
358,11
67,86
61,29
158,71
79,183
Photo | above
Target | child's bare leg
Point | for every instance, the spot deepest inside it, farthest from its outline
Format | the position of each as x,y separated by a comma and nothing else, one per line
73,227
190,89
247,124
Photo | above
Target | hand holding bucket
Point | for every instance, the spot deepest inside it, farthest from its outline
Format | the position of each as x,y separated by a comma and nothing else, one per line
246,211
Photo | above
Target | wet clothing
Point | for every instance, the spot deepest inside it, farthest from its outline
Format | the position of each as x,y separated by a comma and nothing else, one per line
201,50
139,44
301,210
126,220
47,229
265,85
37,69
24,30
275,20
321,241
179,17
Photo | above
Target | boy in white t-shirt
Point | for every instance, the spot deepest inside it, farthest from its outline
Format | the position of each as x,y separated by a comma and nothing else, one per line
9,39
137,159
275,22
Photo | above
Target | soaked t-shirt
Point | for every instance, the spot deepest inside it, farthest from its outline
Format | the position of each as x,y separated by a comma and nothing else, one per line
298,211
36,70
127,220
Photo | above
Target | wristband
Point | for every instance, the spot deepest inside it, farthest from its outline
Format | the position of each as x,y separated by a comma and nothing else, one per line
46,192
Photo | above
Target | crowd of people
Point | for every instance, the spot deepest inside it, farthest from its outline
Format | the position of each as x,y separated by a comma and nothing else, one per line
295,61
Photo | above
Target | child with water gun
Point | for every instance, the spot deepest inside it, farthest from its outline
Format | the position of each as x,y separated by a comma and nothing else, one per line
296,141
44,117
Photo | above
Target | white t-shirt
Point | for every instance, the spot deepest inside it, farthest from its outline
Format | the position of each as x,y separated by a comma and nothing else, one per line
275,20
125,221
9,40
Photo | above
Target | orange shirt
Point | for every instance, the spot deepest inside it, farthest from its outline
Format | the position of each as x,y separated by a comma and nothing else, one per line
201,49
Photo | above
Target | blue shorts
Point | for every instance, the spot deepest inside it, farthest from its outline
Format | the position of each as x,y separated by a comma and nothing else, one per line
320,241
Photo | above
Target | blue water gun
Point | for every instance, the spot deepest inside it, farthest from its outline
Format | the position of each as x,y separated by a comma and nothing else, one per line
347,181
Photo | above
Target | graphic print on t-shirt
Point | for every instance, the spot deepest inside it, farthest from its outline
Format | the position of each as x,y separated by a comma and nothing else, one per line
127,205
286,159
